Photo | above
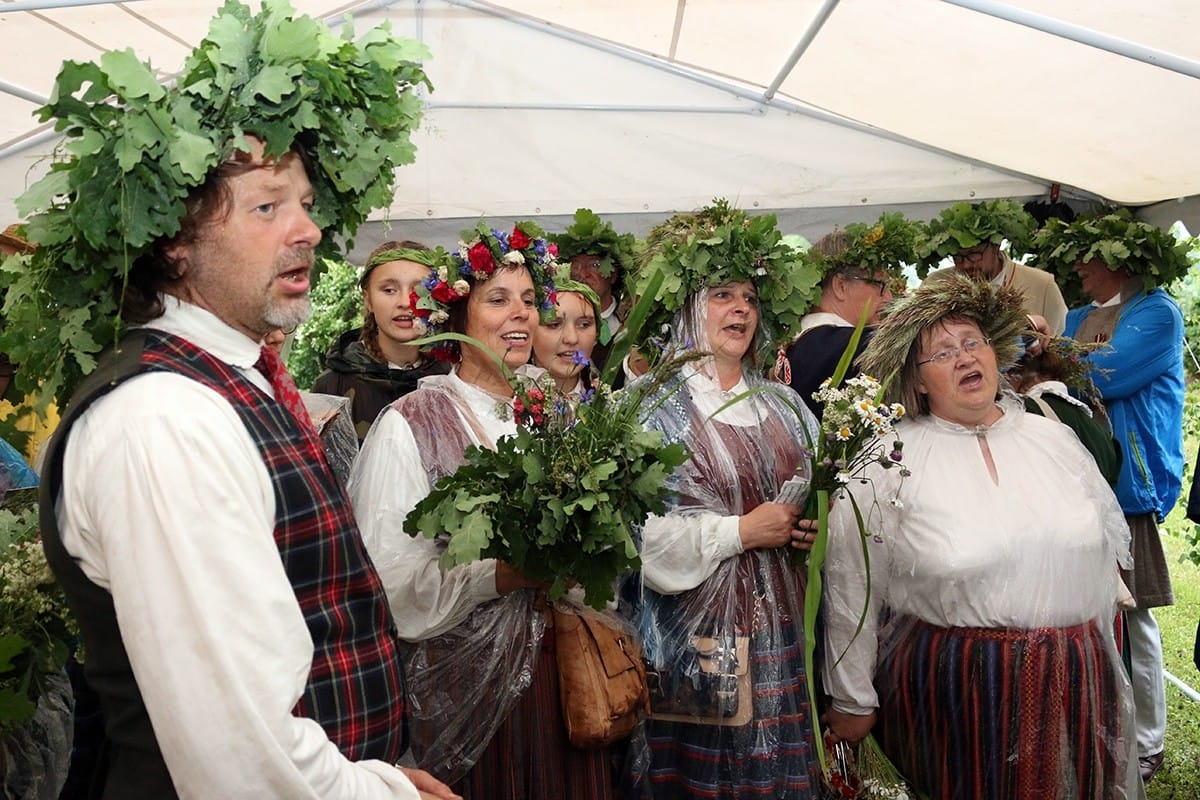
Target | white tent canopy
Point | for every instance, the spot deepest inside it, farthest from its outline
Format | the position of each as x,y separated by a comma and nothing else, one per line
822,111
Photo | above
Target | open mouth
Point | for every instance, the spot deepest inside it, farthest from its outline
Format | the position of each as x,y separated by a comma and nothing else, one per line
737,327
516,338
971,380
295,279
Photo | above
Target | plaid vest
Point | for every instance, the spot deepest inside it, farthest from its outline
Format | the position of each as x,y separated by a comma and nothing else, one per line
355,688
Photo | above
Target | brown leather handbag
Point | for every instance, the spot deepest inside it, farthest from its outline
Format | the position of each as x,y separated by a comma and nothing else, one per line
601,679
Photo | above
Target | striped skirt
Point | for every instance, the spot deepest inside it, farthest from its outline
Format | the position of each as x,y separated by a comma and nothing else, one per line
989,714
769,757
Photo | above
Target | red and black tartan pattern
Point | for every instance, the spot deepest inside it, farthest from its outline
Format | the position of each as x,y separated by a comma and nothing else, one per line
355,688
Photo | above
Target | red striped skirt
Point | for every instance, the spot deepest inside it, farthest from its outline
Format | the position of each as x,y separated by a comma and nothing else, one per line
989,714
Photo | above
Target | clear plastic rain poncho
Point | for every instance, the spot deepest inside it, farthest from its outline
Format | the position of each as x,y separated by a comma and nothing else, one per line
987,634
723,629
472,656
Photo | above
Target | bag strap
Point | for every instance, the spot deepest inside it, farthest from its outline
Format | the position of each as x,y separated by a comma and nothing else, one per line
1047,411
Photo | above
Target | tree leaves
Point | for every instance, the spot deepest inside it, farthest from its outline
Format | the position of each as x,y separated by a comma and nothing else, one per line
135,149
558,501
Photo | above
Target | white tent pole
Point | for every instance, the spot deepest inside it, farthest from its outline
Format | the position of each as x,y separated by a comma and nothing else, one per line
23,93
1082,35
40,5
810,33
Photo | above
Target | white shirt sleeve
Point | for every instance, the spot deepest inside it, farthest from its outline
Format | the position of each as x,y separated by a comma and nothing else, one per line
680,551
847,602
166,503
386,483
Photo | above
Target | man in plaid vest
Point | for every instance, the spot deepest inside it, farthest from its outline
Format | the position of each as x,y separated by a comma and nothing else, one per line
236,629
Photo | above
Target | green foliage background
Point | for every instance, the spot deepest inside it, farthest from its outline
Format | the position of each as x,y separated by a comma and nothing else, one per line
337,307
1180,775
1187,292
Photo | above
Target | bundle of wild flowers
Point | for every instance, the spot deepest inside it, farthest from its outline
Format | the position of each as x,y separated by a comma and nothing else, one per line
36,628
855,428
558,500
865,773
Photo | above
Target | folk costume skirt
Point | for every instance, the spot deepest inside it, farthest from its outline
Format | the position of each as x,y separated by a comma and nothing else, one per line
530,757
772,755
990,714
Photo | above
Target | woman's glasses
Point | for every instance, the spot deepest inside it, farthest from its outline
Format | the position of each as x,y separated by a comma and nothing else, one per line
951,353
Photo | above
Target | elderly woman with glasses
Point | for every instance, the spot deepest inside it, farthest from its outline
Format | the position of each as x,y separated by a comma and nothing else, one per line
982,647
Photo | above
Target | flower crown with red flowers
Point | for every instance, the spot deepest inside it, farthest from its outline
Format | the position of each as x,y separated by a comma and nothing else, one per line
481,251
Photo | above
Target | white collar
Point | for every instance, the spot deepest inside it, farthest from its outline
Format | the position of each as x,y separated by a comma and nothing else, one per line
207,331
1115,300
818,318
1057,389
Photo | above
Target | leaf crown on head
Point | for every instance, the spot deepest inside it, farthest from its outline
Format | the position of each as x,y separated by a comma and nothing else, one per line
885,246
1118,240
719,245
997,310
135,149
590,235
480,253
966,225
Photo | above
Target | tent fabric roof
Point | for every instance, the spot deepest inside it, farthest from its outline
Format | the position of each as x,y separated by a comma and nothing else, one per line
651,106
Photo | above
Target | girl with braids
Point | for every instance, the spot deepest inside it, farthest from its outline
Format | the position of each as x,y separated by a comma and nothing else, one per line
375,364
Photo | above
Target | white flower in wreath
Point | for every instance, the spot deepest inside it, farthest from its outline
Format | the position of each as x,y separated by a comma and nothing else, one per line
438,317
514,257
461,287
443,274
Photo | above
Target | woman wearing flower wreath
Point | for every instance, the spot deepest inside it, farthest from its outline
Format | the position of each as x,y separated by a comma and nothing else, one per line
375,364
563,346
482,676
992,668
720,603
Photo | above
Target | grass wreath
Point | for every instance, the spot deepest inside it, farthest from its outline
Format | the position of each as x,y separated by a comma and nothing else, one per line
997,311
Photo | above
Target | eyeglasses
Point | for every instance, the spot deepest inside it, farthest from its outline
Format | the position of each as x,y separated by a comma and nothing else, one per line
950,353
973,255
881,285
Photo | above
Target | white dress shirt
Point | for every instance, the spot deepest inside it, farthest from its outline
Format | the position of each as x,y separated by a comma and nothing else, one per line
167,504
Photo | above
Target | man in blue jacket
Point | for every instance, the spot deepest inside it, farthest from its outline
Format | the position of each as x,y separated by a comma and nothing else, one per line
1140,377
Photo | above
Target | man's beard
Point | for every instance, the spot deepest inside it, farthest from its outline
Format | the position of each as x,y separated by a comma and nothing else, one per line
288,315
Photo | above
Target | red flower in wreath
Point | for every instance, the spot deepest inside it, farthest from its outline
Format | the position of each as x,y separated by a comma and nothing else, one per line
413,299
519,240
480,258
444,294
552,249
